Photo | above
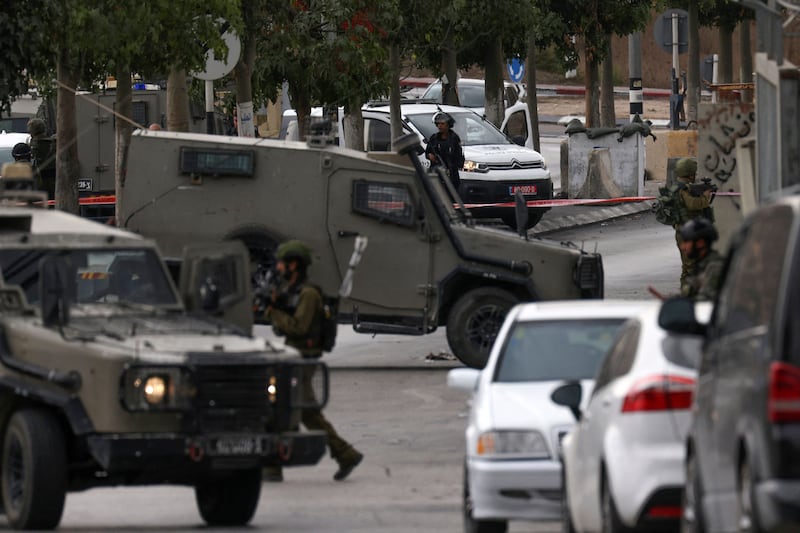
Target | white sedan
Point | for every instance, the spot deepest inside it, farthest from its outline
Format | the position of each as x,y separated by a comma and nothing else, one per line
623,460
512,469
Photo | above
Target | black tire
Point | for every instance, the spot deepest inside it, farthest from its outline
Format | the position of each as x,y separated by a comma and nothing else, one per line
34,470
692,520
474,322
611,522
478,526
230,500
534,217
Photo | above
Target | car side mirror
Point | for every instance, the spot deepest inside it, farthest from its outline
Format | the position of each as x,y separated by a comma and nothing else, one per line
518,139
209,296
569,395
55,284
677,316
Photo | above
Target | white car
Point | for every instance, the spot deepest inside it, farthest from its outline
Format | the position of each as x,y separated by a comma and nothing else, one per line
512,469
7,142
623,460
472,93
495,168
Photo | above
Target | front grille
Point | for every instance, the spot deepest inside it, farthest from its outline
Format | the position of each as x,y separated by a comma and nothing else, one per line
515,165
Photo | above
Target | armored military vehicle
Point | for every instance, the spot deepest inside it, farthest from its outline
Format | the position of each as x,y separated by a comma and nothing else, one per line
108,378
427,264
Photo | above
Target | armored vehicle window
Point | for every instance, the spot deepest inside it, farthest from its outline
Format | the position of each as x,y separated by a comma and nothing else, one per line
385,201
216,162
101,276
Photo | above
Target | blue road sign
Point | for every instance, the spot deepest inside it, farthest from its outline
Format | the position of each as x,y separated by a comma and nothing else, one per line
516,69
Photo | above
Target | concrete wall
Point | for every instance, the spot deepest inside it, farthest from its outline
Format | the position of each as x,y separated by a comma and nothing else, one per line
627,162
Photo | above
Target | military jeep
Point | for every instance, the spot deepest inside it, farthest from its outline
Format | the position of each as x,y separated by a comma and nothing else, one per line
427,264
109,375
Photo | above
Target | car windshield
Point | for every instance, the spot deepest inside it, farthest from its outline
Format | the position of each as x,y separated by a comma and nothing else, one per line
468,95
102,276
555,350
5,156
473,130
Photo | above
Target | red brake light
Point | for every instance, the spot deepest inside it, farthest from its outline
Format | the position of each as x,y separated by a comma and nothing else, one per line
659,393
784,393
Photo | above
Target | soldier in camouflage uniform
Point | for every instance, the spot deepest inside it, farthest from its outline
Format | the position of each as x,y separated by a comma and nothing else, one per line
690,207
43,156
295,311
697,237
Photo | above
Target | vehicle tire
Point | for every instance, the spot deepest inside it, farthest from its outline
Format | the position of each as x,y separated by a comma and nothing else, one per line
229,501
474,322
34,470
611,522
746,516
534,217
478,526
692,511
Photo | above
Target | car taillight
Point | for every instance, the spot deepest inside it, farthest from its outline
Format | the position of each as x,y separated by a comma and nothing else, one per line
659,393
784,393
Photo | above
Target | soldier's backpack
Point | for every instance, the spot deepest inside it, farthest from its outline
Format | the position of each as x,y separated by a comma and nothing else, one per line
668,207
330,322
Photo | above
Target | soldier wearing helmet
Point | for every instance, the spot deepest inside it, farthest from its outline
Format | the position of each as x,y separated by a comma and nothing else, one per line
444,147
697,238
295,312
691,206
21,153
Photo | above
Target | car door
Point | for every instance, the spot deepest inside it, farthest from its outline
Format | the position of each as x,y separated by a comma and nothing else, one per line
393,283
221,268
517,125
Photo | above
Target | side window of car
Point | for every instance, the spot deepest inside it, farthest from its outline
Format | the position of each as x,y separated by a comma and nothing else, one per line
379,135
621,356
388,202
516,125
752,286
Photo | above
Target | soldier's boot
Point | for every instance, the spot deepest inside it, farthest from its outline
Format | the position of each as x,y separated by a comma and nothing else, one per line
272,473
348,460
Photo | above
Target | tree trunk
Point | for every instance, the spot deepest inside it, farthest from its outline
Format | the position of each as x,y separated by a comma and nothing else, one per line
533,106
450,69
301,103
67,169
354,124
725,68
608,116
122,133
746,60
494,86
244,88
693,69
394,94
177,101
592,99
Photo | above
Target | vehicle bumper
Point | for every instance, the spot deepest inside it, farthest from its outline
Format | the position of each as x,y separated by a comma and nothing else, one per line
176,452
494,192
525,490
778,504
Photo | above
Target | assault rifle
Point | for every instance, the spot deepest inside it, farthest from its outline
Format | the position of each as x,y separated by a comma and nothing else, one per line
697,189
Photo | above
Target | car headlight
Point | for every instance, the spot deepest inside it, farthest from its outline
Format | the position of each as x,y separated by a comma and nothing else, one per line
512,445
474,166
156,388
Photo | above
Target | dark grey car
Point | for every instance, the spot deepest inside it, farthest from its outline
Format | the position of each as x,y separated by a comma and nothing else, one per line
742,467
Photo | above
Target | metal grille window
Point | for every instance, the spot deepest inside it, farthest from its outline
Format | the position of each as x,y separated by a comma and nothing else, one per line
389,202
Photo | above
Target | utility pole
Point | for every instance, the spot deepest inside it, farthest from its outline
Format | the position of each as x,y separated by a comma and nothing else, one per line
635,89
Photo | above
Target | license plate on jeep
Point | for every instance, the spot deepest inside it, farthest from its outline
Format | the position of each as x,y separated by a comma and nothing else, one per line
524,189
235,446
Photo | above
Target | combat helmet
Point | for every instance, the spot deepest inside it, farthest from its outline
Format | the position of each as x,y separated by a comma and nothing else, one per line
686,166
699,228
441,116
294,250
21,152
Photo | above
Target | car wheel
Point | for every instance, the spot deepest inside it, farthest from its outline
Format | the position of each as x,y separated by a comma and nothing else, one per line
611,522
746,515
692,513
474,322
478,526
34,475
229,501
534,217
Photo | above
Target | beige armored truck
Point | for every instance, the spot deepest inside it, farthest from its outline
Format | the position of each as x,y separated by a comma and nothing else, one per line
108,378
427,264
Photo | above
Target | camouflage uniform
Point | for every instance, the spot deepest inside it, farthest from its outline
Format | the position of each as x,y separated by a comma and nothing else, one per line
43,156
692,207
704,281
297,314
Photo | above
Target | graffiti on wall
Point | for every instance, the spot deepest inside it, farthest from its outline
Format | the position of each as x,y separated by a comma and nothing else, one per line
718,130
